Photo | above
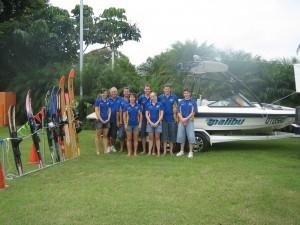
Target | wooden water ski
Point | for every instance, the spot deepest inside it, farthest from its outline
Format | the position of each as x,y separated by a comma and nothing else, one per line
75,121
64,119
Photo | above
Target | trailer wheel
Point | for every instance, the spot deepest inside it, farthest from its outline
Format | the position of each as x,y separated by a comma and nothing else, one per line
202,142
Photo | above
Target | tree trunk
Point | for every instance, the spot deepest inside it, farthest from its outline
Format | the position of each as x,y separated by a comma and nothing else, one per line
112,59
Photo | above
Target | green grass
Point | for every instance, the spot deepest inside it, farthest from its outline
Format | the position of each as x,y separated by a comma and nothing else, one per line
235,183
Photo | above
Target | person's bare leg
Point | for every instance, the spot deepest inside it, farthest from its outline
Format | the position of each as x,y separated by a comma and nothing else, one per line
144,145
97,140
122,142
150,143
105,139
165,147
112,142
108,140
129,143
171,148
153,146
182,147
135,141
191,146
157,143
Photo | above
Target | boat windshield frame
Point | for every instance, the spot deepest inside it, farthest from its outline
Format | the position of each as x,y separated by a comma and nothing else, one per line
234,101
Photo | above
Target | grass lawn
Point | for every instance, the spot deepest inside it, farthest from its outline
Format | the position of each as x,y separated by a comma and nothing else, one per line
235,183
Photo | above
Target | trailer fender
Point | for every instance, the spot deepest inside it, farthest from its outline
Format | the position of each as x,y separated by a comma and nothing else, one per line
202,140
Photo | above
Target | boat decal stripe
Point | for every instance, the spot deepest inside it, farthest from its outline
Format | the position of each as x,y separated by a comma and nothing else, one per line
240,115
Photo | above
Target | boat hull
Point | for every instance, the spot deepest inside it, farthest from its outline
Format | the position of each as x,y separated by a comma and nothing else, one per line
242,120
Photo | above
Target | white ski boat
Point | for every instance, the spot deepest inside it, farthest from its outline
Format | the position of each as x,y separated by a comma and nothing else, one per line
238,114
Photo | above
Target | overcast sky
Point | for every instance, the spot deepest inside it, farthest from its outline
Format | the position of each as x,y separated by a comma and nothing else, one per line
269,28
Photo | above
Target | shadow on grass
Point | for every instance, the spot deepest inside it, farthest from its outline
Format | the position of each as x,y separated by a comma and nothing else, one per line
275,146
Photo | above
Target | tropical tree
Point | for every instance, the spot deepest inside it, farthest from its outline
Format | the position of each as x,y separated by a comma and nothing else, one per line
113,29
89,28
57,35
10,10
48,35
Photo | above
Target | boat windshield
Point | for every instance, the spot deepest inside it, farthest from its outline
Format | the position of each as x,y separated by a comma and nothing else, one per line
233,101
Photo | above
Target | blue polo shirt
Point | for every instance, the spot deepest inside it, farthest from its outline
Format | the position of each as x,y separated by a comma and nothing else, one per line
168,102
143,101
104,107
133,114
124,102
154,110
185,107
115,106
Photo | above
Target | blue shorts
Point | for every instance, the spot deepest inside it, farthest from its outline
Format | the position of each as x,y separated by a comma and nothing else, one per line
99,125
169,131
132,128
184,131
157,129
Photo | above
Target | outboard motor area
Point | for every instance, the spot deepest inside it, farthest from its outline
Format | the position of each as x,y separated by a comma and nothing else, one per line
297,84
297,116
297,121
297,77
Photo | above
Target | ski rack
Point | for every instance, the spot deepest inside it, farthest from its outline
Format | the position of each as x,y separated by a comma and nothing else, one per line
5,148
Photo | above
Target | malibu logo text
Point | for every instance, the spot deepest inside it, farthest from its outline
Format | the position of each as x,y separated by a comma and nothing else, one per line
225,122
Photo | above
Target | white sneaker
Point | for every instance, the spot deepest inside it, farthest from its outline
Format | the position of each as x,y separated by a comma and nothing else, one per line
113,149
181,153
107,150
190,155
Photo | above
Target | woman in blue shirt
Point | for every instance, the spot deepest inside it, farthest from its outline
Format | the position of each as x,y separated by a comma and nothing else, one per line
154,115
132,116
103,113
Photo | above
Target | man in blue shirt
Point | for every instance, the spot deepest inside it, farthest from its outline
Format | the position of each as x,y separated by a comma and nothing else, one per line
169,102
186,110
114,102
143,101
123,104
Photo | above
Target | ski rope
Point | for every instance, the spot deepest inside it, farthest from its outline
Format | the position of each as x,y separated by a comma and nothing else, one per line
29,135
7,165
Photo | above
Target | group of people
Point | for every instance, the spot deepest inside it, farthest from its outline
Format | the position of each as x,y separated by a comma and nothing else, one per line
160,117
